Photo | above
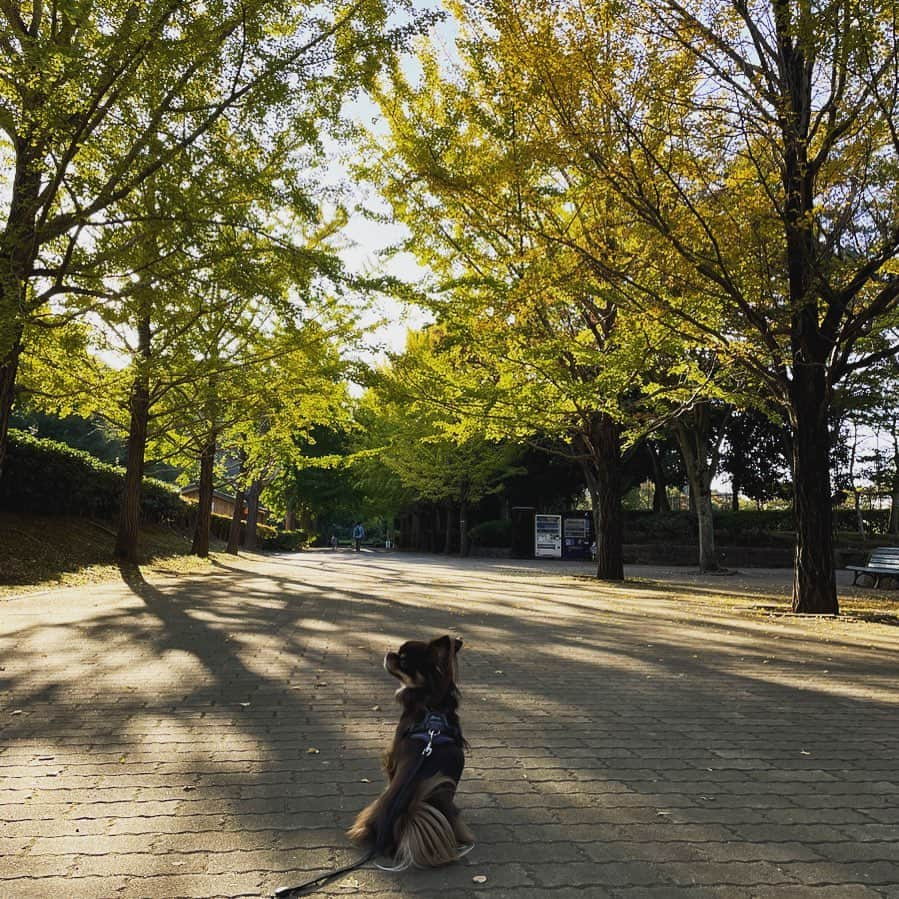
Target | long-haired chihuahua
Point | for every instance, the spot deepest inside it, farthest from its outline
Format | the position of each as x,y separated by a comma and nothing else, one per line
415,819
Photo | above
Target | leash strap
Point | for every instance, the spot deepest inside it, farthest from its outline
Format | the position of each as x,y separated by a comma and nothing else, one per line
322,879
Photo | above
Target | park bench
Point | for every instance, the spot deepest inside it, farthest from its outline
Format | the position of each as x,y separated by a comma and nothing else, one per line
883,562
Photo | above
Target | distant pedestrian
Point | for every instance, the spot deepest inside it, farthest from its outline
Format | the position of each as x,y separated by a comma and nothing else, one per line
358,536
333,541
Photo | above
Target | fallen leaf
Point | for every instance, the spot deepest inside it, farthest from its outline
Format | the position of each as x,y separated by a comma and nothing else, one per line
17,712
479,878
244,704
376,708
365,780
312,751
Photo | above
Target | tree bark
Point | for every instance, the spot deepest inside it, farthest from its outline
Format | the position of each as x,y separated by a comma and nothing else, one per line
9,367
463,529
814,581
200,546
693,442
894,494
250,538
18,248
236,522
234,531
139,406
602,471
660,501
448,536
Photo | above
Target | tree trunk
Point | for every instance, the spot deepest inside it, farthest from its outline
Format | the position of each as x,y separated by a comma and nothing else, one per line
139,407
290,520
660,501
894,495
18,248
9,367
814,581
602,471
252,515
236,522
610,537
463,529
200,546
235,529
692,440
448,536
734,496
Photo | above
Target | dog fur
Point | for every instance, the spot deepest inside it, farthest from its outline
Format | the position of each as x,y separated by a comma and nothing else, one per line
426,830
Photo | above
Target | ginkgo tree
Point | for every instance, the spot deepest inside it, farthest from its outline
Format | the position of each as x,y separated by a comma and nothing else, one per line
435,452
96,98
753,149
536,339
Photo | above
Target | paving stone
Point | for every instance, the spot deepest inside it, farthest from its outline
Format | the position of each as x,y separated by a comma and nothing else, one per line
215,735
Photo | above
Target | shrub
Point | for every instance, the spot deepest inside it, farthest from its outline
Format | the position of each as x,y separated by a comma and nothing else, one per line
497,533
43,476
285,541
220,527
659,527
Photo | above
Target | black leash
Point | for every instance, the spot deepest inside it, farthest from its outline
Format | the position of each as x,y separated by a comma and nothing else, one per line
380,842
288,892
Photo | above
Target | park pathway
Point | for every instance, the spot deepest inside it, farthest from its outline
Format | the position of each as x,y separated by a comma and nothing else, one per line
213,735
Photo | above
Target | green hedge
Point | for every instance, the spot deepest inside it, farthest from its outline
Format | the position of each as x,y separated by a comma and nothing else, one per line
46,477
749,527
285,541
495,533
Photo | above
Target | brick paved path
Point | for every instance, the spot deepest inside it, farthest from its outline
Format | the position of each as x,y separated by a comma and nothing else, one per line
214,736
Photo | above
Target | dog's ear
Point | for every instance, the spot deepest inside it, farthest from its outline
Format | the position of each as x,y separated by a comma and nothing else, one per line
446,644
441,646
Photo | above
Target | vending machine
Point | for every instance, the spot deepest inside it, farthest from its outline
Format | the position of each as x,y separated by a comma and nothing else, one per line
548,536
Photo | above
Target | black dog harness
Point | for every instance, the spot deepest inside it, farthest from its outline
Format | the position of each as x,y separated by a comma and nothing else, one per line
435,730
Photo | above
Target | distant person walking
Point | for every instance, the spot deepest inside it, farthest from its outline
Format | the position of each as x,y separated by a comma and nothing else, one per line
358,536
333,541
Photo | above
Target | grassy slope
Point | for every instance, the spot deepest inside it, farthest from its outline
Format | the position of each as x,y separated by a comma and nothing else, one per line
40,552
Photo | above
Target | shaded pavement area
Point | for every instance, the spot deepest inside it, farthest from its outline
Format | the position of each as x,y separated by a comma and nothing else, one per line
214,735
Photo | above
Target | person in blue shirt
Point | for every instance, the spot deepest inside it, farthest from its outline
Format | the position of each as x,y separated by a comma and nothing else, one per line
358,536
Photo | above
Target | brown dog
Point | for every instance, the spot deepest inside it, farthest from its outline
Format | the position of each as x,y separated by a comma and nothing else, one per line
415,819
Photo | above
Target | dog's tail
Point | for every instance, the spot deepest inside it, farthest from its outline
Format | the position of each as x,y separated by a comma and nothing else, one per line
425,835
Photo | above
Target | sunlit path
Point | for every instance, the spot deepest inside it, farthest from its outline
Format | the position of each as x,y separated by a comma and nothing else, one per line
213,736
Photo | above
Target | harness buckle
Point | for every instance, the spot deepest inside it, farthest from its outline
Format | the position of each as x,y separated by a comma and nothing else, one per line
429,748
